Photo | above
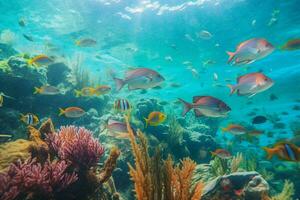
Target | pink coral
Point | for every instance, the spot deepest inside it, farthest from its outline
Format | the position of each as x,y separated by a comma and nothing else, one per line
76,145
32,178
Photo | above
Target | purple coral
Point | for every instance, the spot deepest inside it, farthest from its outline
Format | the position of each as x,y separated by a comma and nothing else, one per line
32,178
76,145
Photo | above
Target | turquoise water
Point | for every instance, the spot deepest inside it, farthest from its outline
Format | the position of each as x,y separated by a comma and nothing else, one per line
164,36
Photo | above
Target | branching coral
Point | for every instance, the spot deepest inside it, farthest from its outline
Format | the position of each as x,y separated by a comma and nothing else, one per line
33,180
236,162
155,179
287,192
76,145
175,131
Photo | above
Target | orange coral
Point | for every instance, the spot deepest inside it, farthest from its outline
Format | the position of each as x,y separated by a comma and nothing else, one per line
155,179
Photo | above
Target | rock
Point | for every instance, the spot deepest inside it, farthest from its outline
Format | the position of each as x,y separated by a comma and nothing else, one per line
6,51
225,187
57,72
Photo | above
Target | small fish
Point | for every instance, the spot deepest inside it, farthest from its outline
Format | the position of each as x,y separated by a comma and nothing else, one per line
40,60
208,62
90,91
206,106
22,22
285,151
141,78
205,35
86,42
235,129
155,118
291,45
251,84
175,85
189,37
221,153
102,89
250,51
259,119
273,97
122,105
72,112
169,58
118,129
28,37
30,119
47,90
255,132
215,76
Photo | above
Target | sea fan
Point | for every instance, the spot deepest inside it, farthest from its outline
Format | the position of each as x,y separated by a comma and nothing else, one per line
76,145
32,178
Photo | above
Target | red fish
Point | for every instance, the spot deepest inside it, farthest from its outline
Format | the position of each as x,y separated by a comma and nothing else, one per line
251,84
221,153
250,51
141,78
206,106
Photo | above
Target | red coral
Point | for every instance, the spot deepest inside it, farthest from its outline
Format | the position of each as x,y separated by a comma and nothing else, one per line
32,178
76,145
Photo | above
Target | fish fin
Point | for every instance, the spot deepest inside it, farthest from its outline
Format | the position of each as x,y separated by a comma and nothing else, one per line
78,93
119,83
231,56
37,90
196,98
147,122
22,117
232,88
61,112
198,113
186,106
270,152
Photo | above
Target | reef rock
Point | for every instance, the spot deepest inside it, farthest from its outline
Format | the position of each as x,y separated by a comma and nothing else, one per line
236,186
6,51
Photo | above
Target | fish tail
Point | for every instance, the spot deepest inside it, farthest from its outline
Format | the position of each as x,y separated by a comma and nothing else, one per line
61,112
270,152
232,88
77,42
119,83
22,117
186,106
37,90
78,93
147,122
231,56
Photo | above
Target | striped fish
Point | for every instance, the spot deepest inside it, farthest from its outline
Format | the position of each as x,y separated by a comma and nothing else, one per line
122,105
285,151
30,119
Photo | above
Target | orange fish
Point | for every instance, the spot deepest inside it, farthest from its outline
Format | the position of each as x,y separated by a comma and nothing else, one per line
155,118
221,153
251,84
40,60
285,151
235,129
291,45
250,51
72,112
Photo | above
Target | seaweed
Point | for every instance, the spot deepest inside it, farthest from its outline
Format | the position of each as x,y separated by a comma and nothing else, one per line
286,193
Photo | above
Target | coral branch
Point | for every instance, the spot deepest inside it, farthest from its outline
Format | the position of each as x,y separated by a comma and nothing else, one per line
109,166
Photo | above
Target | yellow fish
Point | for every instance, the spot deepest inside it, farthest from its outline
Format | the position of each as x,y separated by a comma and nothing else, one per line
30,119
155,118
90,91
40,60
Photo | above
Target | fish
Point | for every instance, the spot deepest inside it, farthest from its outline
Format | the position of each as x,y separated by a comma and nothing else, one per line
285,151
221,153
251,84
255,132
46,90
72,112
2,95
175,85
273,97
155,118
118,129
28,37
291,45
208,62
215,76
90,91
5,136
122,105
40,60
249,51
29,119
235,129
22,22
86,42
141,78
169,58
205,35
259,119
206,106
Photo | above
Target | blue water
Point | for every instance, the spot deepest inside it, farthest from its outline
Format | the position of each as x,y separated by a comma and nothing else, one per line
132,33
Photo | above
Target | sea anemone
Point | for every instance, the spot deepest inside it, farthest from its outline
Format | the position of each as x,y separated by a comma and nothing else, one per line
76,145
33,180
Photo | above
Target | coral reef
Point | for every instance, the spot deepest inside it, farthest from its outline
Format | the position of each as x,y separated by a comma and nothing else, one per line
157,179
75,145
